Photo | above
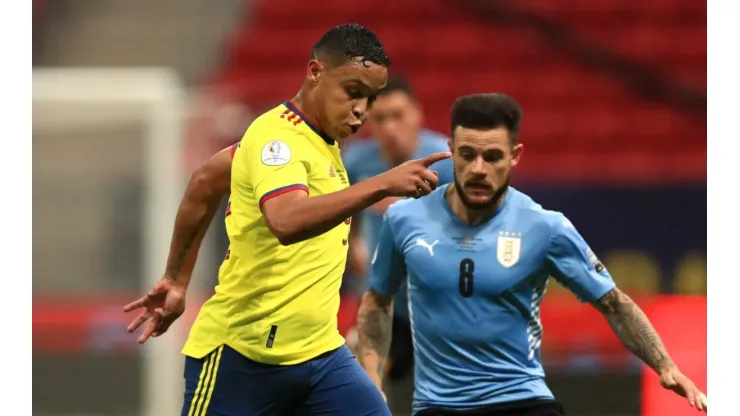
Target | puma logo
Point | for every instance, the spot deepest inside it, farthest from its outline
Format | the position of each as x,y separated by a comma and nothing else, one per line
430,247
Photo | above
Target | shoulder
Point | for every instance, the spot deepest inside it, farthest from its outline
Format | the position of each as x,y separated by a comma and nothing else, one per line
275,124
273,137
401,208
416,210
358,151
544,220
433,142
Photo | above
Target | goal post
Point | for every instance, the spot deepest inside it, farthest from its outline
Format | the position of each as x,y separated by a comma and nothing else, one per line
156,97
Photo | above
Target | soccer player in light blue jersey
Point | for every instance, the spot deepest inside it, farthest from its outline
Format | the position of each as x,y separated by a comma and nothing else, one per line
396,122
477,257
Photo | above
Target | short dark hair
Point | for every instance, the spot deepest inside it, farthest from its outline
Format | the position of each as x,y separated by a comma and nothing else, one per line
397,83
344,42
487,111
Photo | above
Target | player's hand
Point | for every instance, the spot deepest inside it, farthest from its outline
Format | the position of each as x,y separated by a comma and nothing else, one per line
673,379
413,178
162,306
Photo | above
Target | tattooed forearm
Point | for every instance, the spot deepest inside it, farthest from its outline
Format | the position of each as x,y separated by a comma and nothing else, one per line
633,328
192,221
207,186
374,331
182,255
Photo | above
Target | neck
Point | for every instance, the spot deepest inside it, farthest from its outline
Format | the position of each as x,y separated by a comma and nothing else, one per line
469,215
305,103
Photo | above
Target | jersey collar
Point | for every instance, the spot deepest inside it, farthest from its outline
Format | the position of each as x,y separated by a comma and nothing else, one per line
309,123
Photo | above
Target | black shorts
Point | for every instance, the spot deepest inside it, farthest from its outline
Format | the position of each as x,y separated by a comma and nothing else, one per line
519,408
401,353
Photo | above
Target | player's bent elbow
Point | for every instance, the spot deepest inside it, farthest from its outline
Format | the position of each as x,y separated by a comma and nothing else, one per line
201,184
283,218
286,239
281,229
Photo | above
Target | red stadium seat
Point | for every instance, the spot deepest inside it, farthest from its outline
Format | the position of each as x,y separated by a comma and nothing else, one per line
571,112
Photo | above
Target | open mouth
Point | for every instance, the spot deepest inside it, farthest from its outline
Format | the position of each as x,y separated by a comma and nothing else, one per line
354,128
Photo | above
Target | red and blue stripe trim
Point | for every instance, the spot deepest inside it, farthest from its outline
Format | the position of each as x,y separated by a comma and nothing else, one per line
282,190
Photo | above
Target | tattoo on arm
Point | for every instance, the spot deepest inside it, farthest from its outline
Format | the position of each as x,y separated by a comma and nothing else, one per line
633,328
374,323
207,186
183,253
192,220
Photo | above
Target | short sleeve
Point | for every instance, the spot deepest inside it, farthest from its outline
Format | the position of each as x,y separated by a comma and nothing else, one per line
275,167
574,265
388,268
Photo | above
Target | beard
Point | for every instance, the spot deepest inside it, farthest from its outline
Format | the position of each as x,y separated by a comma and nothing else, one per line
490,203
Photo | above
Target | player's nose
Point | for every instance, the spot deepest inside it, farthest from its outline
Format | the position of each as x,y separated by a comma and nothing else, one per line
359,110
479,166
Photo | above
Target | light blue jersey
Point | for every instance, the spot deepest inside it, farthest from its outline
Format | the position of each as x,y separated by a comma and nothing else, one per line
364,160
475,294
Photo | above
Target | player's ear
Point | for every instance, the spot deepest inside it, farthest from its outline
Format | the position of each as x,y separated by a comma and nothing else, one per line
315,71
516,153
451,145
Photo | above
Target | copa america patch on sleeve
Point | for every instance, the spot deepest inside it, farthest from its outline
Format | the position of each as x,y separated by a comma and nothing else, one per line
275,153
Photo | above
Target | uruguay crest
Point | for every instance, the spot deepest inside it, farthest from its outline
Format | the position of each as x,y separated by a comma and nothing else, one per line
509,248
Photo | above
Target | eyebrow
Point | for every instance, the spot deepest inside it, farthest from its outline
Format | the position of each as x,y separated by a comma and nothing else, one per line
359,82
478,149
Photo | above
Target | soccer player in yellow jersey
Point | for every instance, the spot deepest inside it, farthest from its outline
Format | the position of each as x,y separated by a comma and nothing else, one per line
267,342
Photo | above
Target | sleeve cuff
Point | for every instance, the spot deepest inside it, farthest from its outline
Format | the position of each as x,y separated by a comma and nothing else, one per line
282,190
593,297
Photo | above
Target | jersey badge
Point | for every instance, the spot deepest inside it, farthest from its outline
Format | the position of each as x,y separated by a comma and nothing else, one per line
509,248
598,265
275,153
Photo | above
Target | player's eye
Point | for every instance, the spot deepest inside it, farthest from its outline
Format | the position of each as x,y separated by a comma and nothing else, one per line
467,155
354,94
493,156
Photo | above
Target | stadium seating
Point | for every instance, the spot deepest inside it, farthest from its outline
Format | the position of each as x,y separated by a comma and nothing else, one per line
667,34
577,121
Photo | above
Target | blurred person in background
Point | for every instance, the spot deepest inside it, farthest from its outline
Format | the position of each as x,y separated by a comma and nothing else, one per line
396,120
477,256
269,334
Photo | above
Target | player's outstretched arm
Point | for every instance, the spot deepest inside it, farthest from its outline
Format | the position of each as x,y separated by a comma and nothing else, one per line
633,328
293,217
374,322
165,302
575,266
207,186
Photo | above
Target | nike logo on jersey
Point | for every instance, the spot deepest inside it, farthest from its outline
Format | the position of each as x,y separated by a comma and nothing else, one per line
430,247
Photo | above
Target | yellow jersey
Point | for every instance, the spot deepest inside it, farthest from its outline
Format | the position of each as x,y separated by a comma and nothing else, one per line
277,304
